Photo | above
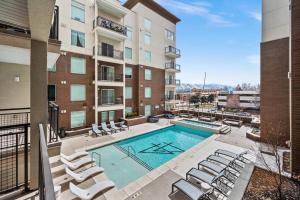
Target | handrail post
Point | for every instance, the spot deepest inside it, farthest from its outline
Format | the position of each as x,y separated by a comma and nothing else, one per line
26,158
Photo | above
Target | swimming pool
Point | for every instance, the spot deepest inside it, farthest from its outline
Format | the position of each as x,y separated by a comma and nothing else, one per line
199,125
204,124
130,159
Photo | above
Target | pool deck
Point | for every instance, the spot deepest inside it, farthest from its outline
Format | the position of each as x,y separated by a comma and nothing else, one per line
177,167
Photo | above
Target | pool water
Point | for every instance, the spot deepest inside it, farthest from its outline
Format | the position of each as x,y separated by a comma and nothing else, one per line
198,123
130,159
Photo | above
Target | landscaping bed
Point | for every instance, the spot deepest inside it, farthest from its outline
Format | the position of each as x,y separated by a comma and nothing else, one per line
262,186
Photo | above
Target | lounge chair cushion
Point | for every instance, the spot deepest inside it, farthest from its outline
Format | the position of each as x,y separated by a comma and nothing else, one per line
189,189
81,176
78,163
212,166
201,175
74,155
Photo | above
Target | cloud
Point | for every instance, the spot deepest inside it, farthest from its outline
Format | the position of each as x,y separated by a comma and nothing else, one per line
256,15
202,9
254,59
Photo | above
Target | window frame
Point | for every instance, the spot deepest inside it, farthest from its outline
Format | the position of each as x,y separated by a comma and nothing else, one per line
150,38
82,8
78,32
150,24
128,98
54,92
169,33
81,111
74,57
126,50
145,110
145,93
150,54
131,72
146,75
72,85
131,35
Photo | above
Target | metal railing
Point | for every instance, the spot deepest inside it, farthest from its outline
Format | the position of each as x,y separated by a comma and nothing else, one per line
55,24
53,119
172,50
14,147
173,65
46,186
117,54
14,116
99,158
111,77
105,101
172,82
170,97
108,24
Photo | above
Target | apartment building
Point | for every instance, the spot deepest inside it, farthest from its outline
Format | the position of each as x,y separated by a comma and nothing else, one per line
280,74
239,99
116,61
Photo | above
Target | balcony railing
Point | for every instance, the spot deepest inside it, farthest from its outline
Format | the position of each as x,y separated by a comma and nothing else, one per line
116,54
172,82
55,24
108,24
111,77
172,50
173,65
105,101
170,97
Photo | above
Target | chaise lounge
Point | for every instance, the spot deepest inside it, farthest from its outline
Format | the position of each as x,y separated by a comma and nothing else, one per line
74,155
83,175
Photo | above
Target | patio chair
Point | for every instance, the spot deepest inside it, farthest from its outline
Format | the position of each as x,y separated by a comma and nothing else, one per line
83,175
123,126
215,181
230,163
106,129
74,155
90,192
114,127
77,164
96,130
233,155
190,190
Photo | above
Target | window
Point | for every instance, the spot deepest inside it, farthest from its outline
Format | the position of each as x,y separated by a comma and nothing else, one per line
107,50
104,116
169,35
128,53
111,116
128,110
128,72
148,74
78,65
77,39
51,92
147,39
147,110
108,96
147,24
77,11
147,56
129,34
77,92
147,92
128,93
77,119
52,68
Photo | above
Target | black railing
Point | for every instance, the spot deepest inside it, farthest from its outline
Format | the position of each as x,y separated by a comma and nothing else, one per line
173,65
14,142
111,77
46,186
14,116
110,53
107,101
53,115
172,82
170,97
55,24
172,50
113,26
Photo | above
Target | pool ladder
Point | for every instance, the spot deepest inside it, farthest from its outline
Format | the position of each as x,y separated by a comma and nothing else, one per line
99,158
130,148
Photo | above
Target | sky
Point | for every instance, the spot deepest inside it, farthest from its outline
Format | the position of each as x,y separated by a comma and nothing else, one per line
219,37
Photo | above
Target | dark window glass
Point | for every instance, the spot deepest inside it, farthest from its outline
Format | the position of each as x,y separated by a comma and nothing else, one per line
51,92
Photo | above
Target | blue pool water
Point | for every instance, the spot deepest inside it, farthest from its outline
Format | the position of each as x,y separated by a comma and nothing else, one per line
146,152
199,123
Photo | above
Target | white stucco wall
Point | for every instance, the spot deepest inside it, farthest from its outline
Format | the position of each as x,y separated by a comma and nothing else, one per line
275,19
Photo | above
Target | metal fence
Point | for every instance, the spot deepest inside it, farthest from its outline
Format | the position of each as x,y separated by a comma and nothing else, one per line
53,119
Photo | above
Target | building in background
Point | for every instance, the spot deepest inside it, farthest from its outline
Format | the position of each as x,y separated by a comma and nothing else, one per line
116,61
239,100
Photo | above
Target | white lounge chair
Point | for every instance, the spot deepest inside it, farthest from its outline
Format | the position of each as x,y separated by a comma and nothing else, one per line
90,192
233,155
105,128
113,126
78,163
96,130
74,155
81,176
123,126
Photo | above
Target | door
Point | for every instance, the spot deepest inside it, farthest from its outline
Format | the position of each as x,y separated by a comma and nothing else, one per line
108,73
107,50
108,96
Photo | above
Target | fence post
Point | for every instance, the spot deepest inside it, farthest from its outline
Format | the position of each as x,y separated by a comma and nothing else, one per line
26,157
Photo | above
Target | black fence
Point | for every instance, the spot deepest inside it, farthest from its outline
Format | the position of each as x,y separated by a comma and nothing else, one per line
53,119
55,24
14,142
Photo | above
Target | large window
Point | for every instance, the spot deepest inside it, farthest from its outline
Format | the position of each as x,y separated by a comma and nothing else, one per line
108,96
77,39
104,116
77,11
78,65
129,34
128,93
51,68
128,72
78,119
128,53
147,39
111,115
147,24
108,116
148,92
128,110
78,93
148,74
169,35
51,92
147,56
147,110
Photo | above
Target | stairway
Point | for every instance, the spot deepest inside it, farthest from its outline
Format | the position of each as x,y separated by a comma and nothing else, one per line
226,129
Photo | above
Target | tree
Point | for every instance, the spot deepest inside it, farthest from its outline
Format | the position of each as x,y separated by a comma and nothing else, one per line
203,99
195,99
211,98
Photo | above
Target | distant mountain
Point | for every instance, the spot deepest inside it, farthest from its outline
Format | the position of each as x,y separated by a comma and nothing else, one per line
187,87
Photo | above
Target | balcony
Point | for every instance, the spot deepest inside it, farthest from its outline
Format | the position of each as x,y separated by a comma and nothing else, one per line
172,66
110,29
110,55
55,24
170,97
113,7
110,79
172,52
110,103
172,82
